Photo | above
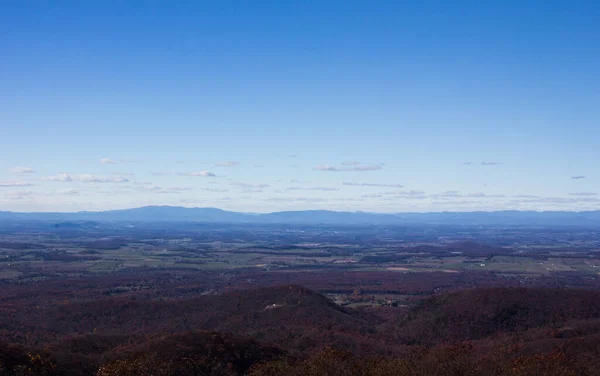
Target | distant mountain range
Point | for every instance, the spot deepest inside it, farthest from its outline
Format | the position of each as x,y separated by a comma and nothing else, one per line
313,217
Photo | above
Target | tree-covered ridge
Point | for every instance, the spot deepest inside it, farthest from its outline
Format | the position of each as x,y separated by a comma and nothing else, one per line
293,330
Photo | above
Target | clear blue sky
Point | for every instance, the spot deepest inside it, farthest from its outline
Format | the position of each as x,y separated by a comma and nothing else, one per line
384,106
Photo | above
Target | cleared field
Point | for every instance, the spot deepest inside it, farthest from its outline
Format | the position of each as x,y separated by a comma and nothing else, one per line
9,274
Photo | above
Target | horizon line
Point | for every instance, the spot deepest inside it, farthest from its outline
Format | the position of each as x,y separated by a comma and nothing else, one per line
303,210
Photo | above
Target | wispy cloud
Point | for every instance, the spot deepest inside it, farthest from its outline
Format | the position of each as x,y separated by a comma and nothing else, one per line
192,201
410,194
325,189
15,183
169,190
372,196
373,185
194,161
348,199
198,173
558,200
252,190
406,193
248,185
350,163
483,195
457,194
123,173
583,194
467,163
85,178
360,167
63,177
216,190
17,195
577,177
108,161
448,194
22,170
297,199
370,167
70,192
327,168
226,164
491,163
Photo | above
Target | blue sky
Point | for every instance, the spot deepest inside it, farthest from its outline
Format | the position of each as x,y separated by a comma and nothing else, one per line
385,106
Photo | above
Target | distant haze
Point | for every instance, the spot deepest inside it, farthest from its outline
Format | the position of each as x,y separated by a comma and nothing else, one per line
315,217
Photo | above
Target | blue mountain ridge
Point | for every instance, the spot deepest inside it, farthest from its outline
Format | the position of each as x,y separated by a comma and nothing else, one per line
307,217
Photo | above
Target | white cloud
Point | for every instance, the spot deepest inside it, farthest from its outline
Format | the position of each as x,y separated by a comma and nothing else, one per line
198,173
108,161
350,163
123,173
491,163
85,178
226,164
373,185
361,167
15,183
22,170
64,177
